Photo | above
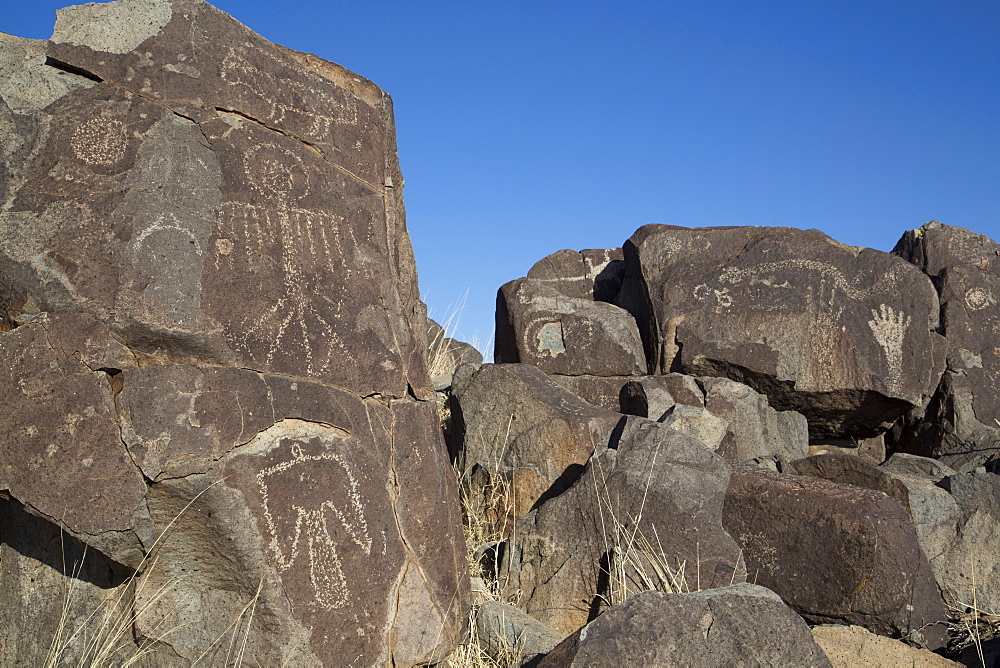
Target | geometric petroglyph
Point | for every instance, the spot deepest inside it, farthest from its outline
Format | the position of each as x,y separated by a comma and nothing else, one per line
310,245
977,299
100,141
889,329
289,99
297,528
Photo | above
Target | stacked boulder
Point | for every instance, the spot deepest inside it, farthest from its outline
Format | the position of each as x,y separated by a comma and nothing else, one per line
653,407
215,375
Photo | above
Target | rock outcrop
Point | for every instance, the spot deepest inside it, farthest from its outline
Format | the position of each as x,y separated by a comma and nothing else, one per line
828,330
742,625
213,341
960,423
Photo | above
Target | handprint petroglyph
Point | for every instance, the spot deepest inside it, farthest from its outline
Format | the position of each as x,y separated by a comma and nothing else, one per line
889,327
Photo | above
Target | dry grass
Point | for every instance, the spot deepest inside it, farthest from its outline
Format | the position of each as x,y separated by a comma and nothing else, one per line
104,638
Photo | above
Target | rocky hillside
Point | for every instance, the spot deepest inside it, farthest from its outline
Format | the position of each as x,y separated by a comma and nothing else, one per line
232,434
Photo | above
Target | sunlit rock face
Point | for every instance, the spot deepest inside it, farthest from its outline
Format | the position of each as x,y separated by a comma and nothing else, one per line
211,322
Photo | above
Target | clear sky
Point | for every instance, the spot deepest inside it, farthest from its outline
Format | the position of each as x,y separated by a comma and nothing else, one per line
527,126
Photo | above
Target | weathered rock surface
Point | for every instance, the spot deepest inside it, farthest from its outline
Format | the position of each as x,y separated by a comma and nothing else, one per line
961,420
211,323
741,625
857,647
524,437
504,631
754,428
594,274
658,496
536,324
845,336
445,354
835,553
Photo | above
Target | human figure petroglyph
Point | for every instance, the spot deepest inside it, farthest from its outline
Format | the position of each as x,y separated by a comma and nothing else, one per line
310,243
889,328
297,528
288,98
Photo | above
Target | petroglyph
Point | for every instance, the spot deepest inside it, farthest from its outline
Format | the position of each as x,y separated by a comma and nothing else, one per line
723,299
310,244
550,339
100,141
166,224
977,299
888,282
312,108
297,528
889,328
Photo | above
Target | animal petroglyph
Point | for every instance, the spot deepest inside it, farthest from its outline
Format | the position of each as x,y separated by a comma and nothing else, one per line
100,141
889,328
289,100
888,282
723,299
310,243
303,531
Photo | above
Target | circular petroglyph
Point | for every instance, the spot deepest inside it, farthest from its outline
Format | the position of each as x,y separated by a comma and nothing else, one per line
977,299
100,141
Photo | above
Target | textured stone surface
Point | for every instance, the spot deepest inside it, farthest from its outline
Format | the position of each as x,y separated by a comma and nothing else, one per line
210,327
841,334
960,422
504,630
445,354
754,428
835,553
523,433
659,485
854,647
538,325
594,274
742,625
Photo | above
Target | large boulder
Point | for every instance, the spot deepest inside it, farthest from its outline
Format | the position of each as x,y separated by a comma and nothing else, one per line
855,646
844,335
594,274
961,421
523,437
213,342
835,553
741,625
536,324
645,515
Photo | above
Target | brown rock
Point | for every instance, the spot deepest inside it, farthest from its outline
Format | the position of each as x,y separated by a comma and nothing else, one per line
523,435
538,325
214,343
835,553
742,625
652,505
856,647
960,422
588,274
851,470
840,334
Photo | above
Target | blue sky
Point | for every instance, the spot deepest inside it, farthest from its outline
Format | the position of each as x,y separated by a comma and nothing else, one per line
527,126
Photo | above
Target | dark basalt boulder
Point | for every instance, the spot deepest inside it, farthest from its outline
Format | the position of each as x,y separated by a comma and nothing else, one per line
960,424
213,342
844,335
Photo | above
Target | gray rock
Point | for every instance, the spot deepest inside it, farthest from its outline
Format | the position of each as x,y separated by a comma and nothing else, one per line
594,274
741,625
755,429
645,514
507,633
